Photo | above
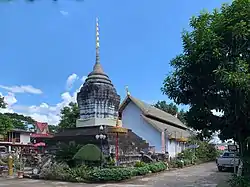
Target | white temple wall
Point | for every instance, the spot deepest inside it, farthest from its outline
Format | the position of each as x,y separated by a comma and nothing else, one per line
132,119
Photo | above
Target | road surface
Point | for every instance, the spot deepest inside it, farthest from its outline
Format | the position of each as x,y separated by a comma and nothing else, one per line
204,175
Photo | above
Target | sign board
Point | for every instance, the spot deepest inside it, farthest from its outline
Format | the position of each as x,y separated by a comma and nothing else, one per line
232,148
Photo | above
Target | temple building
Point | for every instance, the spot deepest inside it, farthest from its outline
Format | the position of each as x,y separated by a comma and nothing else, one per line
148,127
98,100
99,103
162,131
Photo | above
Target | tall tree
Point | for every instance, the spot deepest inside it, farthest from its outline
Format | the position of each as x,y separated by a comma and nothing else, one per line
182,116
69,115
2,103
20,117
5,121
169,108
5,124
172,109
20,121
53,128
213,72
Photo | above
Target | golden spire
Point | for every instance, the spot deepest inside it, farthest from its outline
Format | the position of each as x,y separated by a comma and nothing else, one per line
97,42
128,93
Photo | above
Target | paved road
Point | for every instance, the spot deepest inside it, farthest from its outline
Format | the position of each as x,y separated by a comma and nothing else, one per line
204,175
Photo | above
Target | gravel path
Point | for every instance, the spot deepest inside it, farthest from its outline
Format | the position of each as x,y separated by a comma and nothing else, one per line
204,175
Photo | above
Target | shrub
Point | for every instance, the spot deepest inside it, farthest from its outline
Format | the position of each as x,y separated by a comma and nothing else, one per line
239,181
62,172
55,172
90,155
187,162
66,153
205,152
156,167
110,163
140,164
89,152
110,174
179,163
140,171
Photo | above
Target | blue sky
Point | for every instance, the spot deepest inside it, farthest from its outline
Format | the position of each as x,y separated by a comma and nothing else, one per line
44,43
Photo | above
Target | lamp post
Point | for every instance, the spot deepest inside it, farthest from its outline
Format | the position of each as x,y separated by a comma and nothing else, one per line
100,137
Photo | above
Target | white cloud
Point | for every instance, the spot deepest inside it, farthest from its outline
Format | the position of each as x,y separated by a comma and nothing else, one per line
22,89
64,13
10,99
44,112
83,78
71,80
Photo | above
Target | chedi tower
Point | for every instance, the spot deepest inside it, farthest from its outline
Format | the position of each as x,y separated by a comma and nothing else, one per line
98,100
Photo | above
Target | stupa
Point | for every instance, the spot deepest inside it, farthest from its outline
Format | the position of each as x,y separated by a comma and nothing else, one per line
98,100
99,103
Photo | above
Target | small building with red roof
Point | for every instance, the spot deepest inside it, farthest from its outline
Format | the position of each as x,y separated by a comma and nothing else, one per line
41,133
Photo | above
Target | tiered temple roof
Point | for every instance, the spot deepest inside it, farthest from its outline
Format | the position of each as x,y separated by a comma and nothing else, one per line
160,120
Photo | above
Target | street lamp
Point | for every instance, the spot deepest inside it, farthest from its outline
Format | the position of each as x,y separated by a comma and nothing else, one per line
100,137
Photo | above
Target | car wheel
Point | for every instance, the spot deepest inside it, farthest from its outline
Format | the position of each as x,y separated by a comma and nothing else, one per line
220,168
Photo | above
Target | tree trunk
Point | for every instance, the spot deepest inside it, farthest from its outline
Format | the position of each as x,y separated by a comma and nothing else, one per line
245,156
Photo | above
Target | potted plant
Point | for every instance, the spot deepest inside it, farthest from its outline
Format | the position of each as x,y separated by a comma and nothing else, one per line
20,173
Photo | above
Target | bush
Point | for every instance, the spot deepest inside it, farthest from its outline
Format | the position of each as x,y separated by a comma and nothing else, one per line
62,172
66,153
204,153
140,171
89,152
187,162
119,174
180,163
156,167
110,174
83,173
140,164
239,181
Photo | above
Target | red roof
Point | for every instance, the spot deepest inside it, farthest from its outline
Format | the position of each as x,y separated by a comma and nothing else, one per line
35,135
41,126
40,144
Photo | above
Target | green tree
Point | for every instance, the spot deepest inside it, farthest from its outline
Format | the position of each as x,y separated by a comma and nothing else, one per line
5,124
2,103
213,72
5,121
20,117
20,121
171,109
182,116
53,128
69,115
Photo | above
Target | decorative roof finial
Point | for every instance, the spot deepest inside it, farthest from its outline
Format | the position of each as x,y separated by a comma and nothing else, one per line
97,67
97,42
128,93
